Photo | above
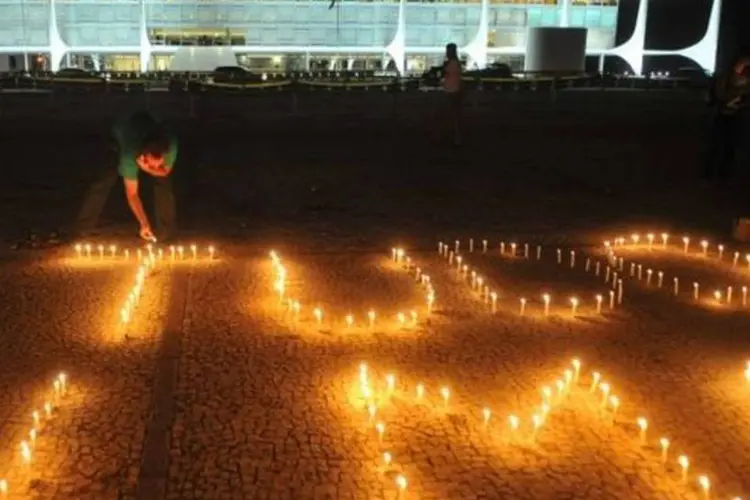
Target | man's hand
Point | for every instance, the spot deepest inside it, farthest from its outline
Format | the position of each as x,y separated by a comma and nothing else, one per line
146,234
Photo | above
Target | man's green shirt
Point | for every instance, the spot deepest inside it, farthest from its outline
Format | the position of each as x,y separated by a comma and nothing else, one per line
129,134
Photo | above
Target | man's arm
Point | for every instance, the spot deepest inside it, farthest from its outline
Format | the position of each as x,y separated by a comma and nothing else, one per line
134,201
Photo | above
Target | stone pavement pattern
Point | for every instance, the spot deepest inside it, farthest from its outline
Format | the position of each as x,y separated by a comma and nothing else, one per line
258,405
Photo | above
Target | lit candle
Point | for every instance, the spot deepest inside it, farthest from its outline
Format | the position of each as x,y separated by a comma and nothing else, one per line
577,367
695,290
664,239
79,249
587,266
502,247
112,250
35,418
735,259
430,301
486,413
685,242
573,306
599,299
371,318
493,296
450,258
717,296
513,249
473,279
318,313
513,423
660,281
676,286
619,291
194,250
401,483
650,238
446,394
744,295
606,274
101,251
390,380
401,318
704,246
611,299
597,268
621,264
536,421
664,442
643,426
440,247
458,263
721,251
705,485
181,251
87,247
684,462
523,306
730,290
559,256
636,238
614,280
560,385
387,458
604,387
568,377
420,391
614,402
380,429
538,252
413,317
572,259
25,451
458,244
471,245
484,246
649,272
640,272
547,395
525,250
3,487
349,320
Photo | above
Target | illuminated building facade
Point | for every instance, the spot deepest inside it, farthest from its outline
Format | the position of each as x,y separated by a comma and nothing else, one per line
143,34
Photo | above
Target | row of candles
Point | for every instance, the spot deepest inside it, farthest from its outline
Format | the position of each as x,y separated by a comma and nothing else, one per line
489,296
39,417
293,307
176,252
552,395
648,276
134,297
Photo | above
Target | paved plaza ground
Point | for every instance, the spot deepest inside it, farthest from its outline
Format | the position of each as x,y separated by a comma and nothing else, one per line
217,388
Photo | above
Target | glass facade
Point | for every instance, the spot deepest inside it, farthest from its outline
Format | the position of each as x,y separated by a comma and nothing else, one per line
284,27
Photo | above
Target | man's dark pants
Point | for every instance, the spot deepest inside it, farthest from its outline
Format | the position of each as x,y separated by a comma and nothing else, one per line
725,137
99,191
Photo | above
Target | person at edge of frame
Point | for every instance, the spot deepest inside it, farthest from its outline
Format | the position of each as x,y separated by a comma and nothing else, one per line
144,145
728,96
452,86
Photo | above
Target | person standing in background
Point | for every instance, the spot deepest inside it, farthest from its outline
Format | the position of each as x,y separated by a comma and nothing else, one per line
452,86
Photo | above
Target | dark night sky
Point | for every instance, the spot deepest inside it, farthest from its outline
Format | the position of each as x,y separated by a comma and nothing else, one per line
674,24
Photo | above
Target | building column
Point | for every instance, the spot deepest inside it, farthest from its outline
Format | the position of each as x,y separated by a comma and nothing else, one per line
145,49
57,47
397,48
477,48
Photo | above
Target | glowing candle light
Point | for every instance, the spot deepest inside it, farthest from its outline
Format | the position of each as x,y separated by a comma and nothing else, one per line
744,296
484,246
747,372
597,268
486,414
79,250
87,248
559,256
576,367
595,378
747,258
704,246
614,280
413,317
686,243
696,288
139,254
318,313
664,239
546,298
181,252
560,385
721,251
676,286
471,245
459,259
380,429
523,306
611,299
32,436
480,280
536,421
401,483
621,264
735,259
650,238
25,451
643,426
430,301
112,250
387,458
568,377
401,318
538,252
730,291
440,247
573,306
525,250
705,485
717,296
614,402
502,247
604,387
544,408
297,307
660,276
194,250
572,259
446,394
172,251
513,249
513,424
599,299
47,409
371,318
3,487
587,265
664,443
349,320
649,272
394,254
458,244
35,418
547,395
606,274
486,294
493,296
420,391
636,238
640,272
473,279
161,254
684,463
101,251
